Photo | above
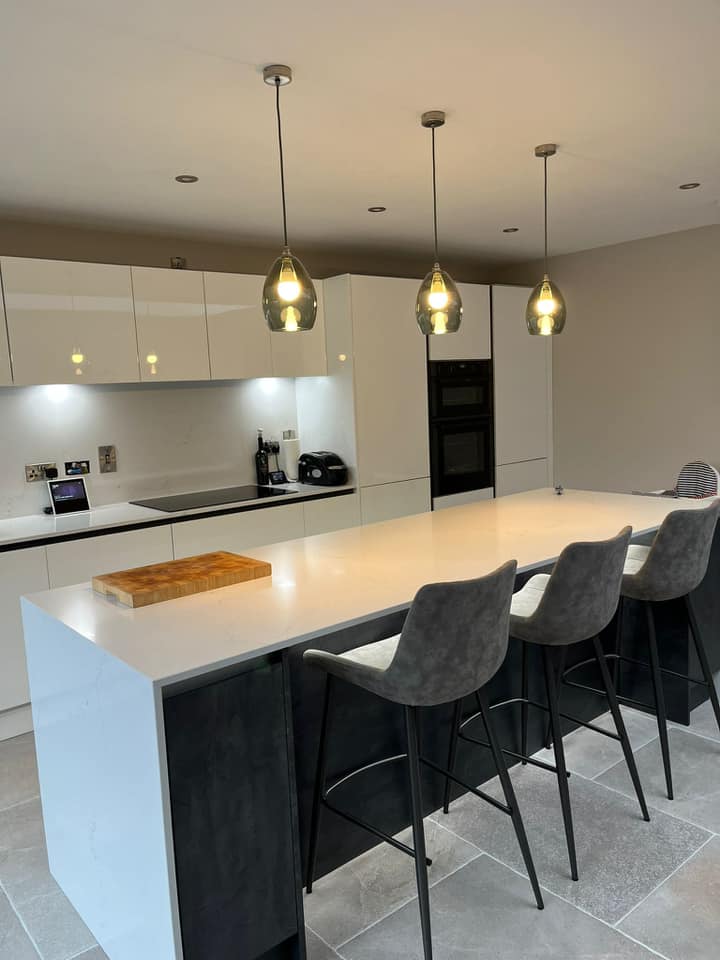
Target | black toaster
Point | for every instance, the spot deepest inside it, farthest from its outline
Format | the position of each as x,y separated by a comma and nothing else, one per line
322,468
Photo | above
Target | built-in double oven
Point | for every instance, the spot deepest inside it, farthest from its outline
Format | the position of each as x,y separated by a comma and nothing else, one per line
461,426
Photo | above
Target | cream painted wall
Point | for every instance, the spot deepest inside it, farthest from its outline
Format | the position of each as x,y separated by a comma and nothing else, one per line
168,438
636,373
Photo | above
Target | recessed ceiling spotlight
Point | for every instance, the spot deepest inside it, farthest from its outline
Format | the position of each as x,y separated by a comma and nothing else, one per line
187,178
377,209
510,229
688,186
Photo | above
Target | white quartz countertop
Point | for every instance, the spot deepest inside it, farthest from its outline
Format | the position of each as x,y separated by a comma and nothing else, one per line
22,530
324,582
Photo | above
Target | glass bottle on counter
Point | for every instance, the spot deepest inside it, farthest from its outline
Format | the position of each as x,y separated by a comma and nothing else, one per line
262,470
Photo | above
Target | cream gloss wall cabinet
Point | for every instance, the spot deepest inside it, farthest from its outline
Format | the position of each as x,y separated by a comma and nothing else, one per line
241,345
522,370
171,324
472,341
239,337
5,369
302,354
21,571
69,322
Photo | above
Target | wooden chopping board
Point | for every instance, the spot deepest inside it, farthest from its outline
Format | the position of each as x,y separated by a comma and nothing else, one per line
179,578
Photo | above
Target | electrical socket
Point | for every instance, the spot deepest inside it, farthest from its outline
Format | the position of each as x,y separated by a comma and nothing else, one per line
35,472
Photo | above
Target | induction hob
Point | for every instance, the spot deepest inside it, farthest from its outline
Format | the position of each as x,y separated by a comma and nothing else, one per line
211,498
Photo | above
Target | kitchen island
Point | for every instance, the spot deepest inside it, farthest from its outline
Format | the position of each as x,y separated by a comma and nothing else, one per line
176,743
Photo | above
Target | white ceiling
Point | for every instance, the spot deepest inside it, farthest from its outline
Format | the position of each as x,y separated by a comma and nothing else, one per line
103,103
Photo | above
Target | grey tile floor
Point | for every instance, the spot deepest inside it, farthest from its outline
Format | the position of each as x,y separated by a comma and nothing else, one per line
645,890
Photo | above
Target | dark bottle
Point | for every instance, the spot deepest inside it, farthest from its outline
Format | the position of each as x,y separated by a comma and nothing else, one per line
262,470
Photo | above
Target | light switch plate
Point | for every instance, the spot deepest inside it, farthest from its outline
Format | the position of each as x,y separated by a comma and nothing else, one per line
107,459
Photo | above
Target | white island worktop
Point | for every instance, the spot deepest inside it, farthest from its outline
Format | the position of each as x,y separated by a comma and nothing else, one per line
101,676
323,582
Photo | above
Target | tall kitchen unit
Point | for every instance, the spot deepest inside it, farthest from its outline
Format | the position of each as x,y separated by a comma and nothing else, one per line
522,368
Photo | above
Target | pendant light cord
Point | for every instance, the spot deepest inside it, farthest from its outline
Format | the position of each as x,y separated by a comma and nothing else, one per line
546,216
282,163
434,180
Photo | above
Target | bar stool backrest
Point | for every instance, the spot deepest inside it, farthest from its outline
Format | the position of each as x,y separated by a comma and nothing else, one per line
582,593
454,639
678,557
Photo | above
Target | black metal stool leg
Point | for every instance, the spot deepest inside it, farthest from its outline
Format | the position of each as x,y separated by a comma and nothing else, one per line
525,691
620,726
618,643
551,686
452,751
659,698
562,658
702,657
418,828
510,798
320,775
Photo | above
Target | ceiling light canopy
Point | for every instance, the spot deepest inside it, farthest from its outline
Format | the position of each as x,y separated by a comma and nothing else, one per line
187,178
377,209
546,311
289,299
438,308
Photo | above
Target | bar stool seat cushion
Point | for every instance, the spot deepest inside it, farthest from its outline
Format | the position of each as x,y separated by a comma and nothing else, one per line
526,601
364,666
635,560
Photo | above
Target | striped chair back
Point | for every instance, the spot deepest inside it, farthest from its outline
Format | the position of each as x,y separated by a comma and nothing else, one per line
698,480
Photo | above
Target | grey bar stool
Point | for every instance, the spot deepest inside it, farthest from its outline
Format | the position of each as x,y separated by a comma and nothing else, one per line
671,568
553,611
453,642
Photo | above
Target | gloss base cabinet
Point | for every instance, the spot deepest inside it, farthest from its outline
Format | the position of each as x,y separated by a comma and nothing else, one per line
239,532
390,501
21,571
76,561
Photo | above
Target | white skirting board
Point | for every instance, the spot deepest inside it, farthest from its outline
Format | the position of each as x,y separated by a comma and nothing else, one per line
16,721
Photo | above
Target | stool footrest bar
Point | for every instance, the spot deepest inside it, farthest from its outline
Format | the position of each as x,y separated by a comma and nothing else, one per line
511,753
364,769
373,830
474,790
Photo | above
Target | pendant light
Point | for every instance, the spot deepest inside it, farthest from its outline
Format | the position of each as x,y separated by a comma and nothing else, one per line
545,314
289,299
438,307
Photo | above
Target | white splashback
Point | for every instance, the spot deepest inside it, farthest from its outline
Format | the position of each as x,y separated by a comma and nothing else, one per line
169,438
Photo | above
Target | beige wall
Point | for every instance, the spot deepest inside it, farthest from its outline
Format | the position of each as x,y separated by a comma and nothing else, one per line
62,242
636,373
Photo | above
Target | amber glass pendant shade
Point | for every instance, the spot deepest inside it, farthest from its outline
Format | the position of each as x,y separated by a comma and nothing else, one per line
545,314
546,311
289,300
438,308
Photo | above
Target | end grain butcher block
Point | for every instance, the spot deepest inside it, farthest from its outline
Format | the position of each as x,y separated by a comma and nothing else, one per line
179,578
